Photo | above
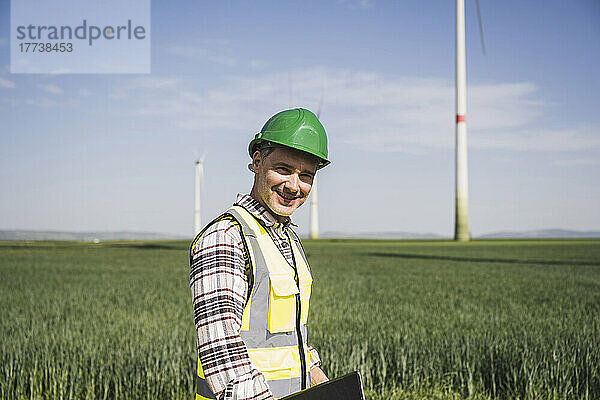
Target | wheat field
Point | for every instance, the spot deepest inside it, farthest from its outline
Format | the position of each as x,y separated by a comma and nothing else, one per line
419,319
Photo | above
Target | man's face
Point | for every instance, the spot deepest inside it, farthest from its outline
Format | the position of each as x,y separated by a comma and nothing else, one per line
283,179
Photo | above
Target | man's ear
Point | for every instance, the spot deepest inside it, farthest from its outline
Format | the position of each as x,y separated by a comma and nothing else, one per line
256,160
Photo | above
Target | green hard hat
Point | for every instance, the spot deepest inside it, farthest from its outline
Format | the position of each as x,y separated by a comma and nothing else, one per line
297,128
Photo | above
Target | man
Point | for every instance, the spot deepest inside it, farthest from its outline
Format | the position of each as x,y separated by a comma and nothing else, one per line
249,277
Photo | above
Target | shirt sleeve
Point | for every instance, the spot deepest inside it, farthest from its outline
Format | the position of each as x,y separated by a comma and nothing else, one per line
219,284
315,360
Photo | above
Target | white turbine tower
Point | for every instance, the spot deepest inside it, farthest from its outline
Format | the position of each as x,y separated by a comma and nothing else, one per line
461,228
313,227
314,212
199,175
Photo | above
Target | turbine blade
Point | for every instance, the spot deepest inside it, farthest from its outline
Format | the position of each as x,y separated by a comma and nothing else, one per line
320,105
480,26
290,89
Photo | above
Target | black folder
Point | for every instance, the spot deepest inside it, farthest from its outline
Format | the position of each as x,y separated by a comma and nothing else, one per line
348,387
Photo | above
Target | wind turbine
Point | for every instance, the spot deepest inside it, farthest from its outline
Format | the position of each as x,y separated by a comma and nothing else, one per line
461,228
313,227
199,176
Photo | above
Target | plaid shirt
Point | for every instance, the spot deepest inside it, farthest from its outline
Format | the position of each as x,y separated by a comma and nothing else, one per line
219,289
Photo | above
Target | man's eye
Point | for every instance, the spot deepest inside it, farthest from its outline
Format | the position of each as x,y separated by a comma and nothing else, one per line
282,170
306,178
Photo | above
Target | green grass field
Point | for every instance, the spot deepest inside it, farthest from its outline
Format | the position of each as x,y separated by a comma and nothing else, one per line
419,319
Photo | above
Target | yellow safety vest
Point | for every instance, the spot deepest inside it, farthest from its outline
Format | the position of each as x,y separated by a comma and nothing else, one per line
274,318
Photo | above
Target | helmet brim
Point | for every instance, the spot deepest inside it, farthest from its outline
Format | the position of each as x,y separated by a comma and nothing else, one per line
252,147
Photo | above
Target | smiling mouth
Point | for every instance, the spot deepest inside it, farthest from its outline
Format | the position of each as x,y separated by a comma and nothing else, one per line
287,197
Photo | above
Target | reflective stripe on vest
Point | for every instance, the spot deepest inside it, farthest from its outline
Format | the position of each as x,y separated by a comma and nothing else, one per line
275,339
203,391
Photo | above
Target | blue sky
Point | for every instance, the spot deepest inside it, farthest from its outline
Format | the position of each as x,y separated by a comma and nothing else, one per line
117,151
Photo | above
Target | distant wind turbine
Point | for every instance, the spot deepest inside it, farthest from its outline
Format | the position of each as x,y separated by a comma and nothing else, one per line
199,176
313,228
461,228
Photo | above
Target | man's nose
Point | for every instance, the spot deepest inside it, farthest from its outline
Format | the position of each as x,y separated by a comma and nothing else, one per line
292,183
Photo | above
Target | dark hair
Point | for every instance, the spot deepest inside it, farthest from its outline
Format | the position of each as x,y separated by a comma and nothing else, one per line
266,148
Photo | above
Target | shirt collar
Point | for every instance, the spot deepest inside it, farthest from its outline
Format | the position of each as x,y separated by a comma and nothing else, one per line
260,212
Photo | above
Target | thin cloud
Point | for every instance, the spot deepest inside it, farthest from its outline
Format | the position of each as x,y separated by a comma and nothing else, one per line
187,51
572,139
51,89
360,4
257,64
372,111
577,162
146,84
43,103
364,4
223,60
156,83
202,53
5,83
10,101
